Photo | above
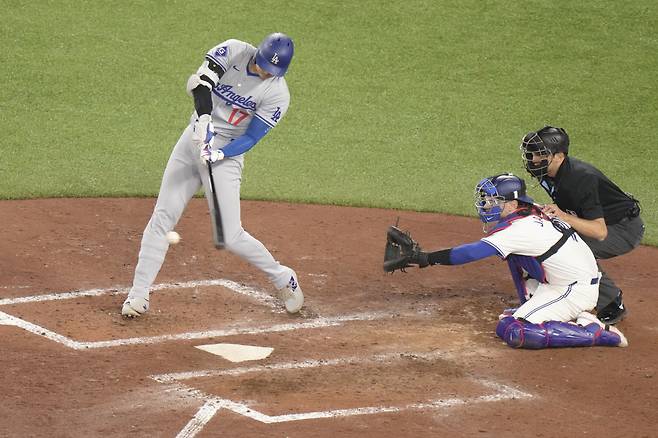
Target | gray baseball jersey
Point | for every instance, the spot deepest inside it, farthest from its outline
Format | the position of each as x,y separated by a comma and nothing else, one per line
241,95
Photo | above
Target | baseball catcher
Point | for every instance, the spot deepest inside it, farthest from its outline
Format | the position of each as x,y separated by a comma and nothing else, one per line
553,270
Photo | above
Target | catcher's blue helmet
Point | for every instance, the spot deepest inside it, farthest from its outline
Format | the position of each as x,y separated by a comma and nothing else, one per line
275,53
492,192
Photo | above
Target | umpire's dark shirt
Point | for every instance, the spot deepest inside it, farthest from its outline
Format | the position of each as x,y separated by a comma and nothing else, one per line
583,189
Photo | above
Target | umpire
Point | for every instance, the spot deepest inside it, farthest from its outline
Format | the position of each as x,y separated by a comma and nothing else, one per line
607,218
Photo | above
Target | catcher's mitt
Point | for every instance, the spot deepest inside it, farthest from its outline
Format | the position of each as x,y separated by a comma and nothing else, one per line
402,251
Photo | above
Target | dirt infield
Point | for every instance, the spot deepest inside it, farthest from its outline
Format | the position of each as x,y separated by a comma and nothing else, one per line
370,354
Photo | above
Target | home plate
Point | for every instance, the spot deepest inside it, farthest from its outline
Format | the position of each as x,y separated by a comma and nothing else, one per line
237,352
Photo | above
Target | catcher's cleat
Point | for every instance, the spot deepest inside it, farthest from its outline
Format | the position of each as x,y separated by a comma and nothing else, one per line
292,295
135,306
606,336
623,342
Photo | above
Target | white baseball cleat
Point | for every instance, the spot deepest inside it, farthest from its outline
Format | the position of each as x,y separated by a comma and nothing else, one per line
623,342
586,318
135,306
292,295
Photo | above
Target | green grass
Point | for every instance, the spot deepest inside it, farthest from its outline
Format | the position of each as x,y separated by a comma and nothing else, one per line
402,105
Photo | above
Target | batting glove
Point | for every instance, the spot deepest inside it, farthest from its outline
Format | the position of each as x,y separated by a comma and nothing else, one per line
203,133
208,154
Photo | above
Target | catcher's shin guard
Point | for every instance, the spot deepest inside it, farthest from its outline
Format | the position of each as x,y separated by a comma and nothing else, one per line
554,334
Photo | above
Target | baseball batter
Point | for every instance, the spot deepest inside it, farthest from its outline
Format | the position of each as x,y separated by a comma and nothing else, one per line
554,271
240,94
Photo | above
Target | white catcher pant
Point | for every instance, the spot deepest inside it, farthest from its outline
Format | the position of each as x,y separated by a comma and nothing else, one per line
557,303
183,177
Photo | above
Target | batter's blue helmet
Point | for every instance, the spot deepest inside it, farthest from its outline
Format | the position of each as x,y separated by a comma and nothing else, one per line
275,53
491,193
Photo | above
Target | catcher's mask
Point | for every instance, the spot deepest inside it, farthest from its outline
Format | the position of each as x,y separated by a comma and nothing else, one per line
538,148
491,194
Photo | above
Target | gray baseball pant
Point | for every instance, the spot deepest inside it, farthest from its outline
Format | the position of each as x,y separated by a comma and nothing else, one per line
623,237
183,177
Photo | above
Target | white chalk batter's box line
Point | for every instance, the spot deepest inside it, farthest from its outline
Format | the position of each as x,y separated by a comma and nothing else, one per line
260,296
213,404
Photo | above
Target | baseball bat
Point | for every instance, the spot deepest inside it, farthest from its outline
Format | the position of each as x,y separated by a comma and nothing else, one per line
219,231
